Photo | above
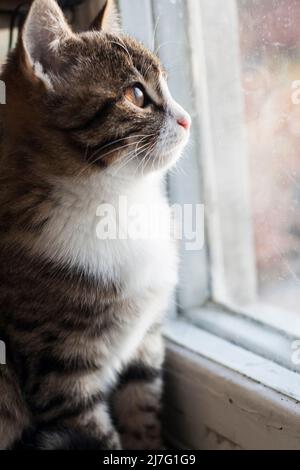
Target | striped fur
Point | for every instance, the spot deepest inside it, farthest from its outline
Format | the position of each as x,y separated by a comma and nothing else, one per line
81,317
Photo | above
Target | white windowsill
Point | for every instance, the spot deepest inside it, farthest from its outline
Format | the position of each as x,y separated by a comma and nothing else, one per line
286,321
215,385
249,329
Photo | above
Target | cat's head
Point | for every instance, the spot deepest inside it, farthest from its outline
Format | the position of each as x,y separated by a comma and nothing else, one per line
99,94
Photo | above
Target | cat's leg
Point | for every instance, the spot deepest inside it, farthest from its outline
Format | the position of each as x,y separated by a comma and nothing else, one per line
137,400
88,433
70,409
94,433
14,417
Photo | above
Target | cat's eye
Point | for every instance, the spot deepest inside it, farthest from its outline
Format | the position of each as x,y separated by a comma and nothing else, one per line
137,96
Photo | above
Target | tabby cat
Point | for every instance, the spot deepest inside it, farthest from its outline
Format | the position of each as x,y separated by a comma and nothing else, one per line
88,119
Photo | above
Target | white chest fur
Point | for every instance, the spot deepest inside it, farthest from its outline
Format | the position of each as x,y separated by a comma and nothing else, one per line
136,260
145,267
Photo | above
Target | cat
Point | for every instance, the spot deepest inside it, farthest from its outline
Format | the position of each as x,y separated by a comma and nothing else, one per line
89,119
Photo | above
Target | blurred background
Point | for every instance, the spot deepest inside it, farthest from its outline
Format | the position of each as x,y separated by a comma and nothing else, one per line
270,60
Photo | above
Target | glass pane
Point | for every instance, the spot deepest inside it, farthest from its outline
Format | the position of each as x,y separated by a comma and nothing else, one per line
270,52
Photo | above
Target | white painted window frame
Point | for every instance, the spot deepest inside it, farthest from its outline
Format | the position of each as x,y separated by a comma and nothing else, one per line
231,382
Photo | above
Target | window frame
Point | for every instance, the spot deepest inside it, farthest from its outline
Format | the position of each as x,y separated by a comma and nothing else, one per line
211,354
209,398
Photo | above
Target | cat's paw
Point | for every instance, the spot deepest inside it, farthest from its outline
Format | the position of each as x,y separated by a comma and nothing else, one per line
135,441
143,437
112,442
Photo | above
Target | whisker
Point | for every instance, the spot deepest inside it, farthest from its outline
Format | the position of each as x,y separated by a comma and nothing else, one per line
155,31
120,148
166,44
113,150
90,164
153,160
148,151
131,156
118,141
144,161
109,152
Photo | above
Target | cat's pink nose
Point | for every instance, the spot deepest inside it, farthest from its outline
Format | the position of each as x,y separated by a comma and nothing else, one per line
185,122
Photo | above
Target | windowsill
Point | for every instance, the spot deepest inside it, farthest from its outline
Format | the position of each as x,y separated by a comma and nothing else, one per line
253,330
282,319
215,385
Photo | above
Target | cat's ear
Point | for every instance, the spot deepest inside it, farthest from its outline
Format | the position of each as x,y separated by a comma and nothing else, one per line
107,19
44,28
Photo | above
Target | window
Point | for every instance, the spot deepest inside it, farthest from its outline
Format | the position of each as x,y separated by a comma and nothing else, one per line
269,44
249,155
233,368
